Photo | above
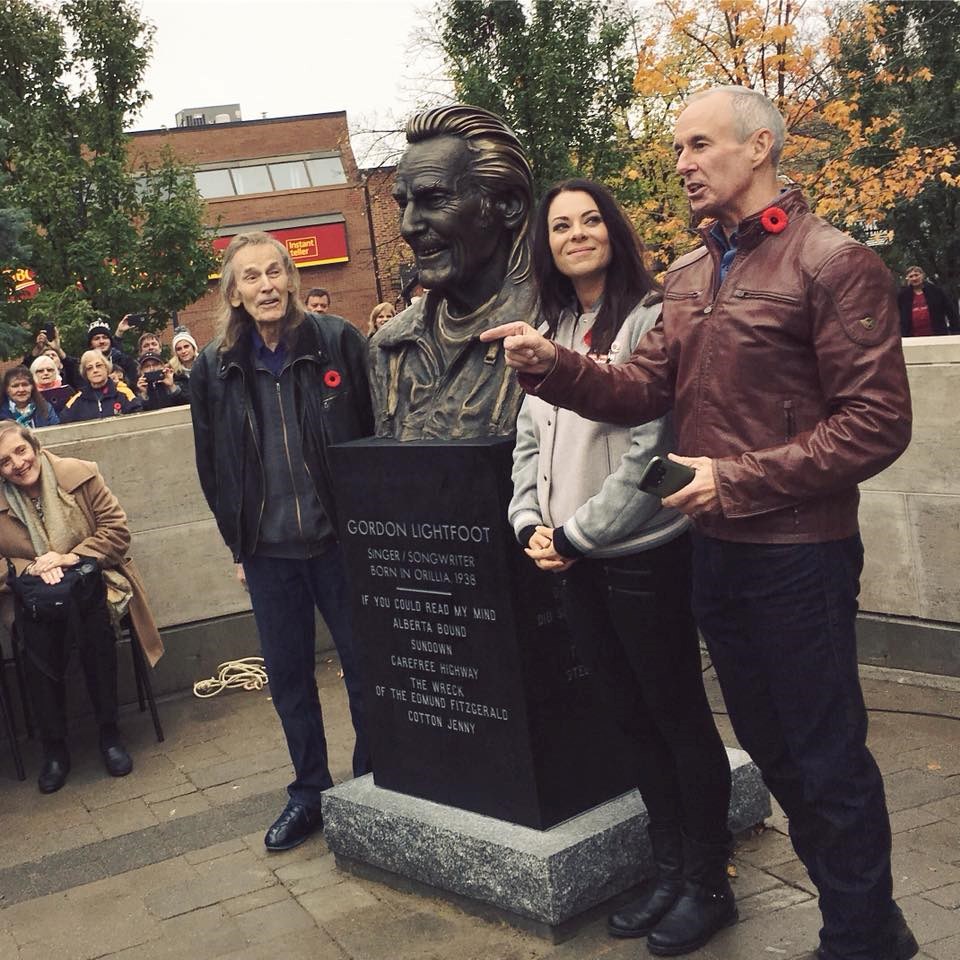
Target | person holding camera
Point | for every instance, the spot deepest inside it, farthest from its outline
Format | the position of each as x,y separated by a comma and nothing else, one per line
47,341
100,396
147,342
56,514
100,338
156,384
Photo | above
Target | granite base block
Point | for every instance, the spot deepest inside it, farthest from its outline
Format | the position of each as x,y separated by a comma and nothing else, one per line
547,876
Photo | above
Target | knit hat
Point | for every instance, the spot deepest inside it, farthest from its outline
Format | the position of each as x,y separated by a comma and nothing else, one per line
184,335
146,357
99,325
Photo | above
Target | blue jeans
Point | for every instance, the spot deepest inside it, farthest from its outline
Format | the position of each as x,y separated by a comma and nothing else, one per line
284,594
779,622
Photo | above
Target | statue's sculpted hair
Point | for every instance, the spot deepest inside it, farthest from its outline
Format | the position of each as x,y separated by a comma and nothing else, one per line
497,165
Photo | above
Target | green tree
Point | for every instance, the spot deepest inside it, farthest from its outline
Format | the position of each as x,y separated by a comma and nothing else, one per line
14,252
916,72
112,234
854,164
560,72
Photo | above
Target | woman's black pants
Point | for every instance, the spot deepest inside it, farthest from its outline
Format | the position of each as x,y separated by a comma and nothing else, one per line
632,625
46,650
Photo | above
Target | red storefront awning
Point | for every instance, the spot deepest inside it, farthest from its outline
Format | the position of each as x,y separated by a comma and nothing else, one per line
308,246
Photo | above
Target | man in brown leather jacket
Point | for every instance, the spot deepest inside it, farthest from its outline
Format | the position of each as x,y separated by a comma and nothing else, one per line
778,352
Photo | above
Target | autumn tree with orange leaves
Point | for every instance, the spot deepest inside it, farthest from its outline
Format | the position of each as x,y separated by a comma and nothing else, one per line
853,165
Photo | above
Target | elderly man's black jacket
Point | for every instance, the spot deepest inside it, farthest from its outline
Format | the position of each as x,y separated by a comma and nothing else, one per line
327,357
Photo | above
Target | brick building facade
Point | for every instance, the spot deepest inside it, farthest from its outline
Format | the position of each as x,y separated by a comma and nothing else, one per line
394,261
297,177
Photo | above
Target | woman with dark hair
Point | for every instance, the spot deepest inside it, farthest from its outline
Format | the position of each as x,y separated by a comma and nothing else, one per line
24,401
625,566
55,513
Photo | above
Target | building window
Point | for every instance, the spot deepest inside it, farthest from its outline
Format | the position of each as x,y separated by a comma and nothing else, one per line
326,170
213,183
251,179
269,175
289,176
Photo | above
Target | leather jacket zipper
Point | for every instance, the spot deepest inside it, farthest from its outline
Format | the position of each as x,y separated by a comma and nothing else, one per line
764,295
286,450
789,422
789,432
256,446
318,489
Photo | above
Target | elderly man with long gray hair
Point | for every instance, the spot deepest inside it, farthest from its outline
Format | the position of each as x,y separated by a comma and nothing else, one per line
267,396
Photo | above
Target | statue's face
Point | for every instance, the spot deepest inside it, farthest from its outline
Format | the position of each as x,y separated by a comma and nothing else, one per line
442,215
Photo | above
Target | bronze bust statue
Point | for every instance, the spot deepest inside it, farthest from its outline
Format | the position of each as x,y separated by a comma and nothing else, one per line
465,194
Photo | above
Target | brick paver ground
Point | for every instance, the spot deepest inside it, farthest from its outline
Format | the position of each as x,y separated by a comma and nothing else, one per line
169,862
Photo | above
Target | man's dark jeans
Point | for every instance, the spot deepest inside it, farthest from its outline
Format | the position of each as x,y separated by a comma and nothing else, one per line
284,594
779,623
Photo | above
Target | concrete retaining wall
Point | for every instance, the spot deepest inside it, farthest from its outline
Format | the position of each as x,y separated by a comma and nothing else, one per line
147,461
910,517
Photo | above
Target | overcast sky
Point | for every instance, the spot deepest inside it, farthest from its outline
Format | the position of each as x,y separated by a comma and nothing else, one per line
280,58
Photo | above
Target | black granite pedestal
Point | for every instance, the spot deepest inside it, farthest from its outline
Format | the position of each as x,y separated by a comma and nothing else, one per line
498,778
474,696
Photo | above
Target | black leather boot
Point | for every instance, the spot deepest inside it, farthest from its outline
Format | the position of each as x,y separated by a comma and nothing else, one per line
640,916
704,906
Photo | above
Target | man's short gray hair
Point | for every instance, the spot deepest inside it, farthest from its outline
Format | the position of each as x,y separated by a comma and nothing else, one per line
752,111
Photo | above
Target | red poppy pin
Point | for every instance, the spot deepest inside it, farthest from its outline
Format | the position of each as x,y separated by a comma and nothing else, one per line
774,220
332,378
117,407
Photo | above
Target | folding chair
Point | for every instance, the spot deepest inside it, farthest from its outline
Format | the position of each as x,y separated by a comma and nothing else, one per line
9,724
141,673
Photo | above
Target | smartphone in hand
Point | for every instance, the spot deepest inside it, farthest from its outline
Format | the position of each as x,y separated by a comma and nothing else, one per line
664,477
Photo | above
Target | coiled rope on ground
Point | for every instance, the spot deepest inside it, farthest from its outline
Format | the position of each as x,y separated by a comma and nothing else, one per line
247,673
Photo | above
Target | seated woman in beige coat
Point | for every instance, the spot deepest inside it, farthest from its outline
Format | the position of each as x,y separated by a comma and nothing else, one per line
54,513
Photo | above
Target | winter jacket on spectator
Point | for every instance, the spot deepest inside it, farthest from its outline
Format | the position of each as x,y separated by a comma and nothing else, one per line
36,418
943,312
91,403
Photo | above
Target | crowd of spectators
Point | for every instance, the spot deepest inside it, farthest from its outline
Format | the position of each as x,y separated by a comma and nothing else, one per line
109,379
52,387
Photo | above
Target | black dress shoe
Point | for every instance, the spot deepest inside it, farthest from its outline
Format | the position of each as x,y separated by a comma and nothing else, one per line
895,941
53,773
116,759
293,826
